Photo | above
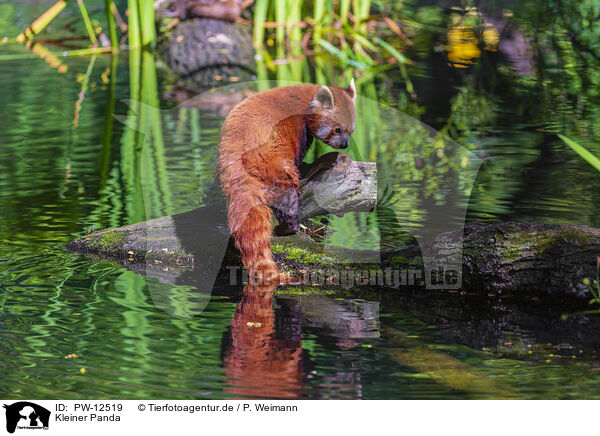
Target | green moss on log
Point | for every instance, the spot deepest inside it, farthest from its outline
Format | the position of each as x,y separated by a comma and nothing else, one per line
295,254
108,241
519,245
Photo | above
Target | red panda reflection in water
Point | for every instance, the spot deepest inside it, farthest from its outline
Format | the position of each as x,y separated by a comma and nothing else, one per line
258,362
263,142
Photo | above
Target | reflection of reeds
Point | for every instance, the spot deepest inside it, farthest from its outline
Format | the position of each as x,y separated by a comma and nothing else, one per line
107,132
143,164
48,56
131,144
150,119
84,86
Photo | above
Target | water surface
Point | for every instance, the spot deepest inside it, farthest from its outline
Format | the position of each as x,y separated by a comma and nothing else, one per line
66,164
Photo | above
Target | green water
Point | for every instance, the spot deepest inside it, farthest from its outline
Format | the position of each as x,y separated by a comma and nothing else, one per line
66,166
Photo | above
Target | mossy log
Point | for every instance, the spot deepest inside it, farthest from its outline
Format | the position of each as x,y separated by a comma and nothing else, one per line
523,259
507,259
198,240
518,258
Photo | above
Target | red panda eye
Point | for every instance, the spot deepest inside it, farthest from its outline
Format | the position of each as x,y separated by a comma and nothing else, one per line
337,130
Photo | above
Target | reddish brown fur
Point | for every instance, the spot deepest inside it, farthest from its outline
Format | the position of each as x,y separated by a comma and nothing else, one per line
263,140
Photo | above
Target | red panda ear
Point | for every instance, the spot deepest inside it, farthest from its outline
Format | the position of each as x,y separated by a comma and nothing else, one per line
351,90
323,98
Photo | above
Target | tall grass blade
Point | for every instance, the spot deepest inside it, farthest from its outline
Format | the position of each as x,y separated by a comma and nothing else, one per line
343,57
86,51
260,17
86,21
135,37
582,152
147,23
40,24
281,14
361,10
112,25
320,14
391,50
344,9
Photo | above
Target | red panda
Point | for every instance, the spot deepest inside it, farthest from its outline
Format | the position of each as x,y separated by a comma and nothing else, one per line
263,142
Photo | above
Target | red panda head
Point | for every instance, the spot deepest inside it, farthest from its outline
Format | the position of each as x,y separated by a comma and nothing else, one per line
332,114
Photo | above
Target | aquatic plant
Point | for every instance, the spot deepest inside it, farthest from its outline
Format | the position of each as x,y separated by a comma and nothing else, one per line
594,288
141,27
344,30
582,152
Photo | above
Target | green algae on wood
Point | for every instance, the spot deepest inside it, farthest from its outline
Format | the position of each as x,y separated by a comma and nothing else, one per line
523,259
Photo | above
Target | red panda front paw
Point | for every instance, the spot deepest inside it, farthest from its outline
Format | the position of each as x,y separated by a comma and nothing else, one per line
287,228
288,225
264,272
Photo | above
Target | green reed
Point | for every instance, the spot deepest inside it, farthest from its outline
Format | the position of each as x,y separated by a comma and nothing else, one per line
86,20
582,152
339,29
141,24
112,25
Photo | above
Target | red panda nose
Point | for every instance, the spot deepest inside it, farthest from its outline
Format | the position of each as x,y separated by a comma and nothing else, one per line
342,140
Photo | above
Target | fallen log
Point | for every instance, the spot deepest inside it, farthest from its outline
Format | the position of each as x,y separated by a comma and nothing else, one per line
336,184
517,258
198,240
522,259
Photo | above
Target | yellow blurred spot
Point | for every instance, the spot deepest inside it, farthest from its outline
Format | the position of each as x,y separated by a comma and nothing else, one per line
106,79
254,324
462,46
82,370
491,37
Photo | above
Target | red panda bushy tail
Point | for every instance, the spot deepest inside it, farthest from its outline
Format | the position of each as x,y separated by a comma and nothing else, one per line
250,224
